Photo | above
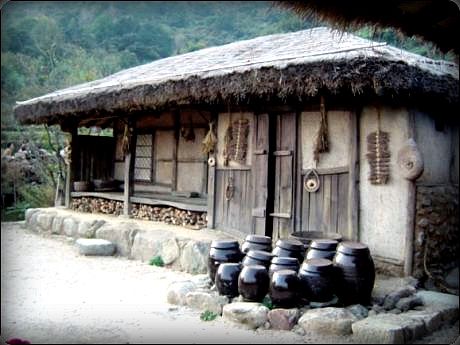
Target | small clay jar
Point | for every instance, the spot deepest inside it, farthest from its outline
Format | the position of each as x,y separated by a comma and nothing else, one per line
317,280
290,248
283,290
257,242
355,272
258,257
222,251
322,249
283,263
227,279
253,283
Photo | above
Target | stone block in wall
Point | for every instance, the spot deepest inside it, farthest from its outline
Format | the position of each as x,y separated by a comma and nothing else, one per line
57,226
328,320
203,300
70,227
95,246
45,220
121,234
87,228
169,250
148,244
194,257
28,214
250,314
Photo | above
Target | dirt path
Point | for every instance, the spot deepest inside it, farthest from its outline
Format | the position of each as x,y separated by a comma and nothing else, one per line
51,294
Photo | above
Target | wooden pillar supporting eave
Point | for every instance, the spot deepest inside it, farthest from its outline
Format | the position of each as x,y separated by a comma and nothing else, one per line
129,175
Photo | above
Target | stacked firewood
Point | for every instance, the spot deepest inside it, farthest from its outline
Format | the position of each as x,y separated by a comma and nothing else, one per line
170,215
97,205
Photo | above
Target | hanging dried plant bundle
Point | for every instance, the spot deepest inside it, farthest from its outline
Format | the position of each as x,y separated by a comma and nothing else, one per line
236,141
322,142
210,140
126,139
378,157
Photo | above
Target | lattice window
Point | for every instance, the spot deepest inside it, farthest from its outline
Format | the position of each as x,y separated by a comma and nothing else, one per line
143,162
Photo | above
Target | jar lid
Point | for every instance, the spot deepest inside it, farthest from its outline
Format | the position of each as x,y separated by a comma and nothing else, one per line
282,260
225,244
284,273
253,268
258,239
324,244
259,255
317,265
290,244
353,248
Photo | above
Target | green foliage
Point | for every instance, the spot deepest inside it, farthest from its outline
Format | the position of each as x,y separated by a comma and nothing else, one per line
267,302
156,261
208,315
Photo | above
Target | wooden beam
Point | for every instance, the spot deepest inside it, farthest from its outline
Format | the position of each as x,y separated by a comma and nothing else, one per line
353,176
211,213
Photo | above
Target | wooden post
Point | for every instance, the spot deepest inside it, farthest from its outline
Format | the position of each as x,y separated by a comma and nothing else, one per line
73,166
129,173
212,184
353,175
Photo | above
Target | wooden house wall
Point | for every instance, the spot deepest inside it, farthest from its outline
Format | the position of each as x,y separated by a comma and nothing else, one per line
95,158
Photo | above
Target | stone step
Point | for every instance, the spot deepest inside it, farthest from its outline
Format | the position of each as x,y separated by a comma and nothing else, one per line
95,246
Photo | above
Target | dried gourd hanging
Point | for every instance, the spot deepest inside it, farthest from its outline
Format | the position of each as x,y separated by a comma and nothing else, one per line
210,140
378,155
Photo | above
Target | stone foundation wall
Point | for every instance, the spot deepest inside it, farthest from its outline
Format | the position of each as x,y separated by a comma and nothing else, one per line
176,250
436,230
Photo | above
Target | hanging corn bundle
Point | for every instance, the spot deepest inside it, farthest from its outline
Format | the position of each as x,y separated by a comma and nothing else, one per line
322,142
210,140
236,141
378,155
126,139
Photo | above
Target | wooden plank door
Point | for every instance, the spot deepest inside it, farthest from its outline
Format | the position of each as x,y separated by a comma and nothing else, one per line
260,174
284,155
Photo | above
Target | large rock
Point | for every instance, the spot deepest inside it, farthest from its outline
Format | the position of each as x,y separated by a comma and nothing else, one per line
444,303
177,292
169,251
70,227
202,281
28,214
194,257
87,228
206,301
388,329
44,221
147,244
393,298
33,225
95,246
384,285
250,314
284,319
358,310
452,278
58,222
121,234
328,320
432,319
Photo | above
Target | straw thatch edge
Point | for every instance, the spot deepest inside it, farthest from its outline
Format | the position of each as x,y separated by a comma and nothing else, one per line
358,77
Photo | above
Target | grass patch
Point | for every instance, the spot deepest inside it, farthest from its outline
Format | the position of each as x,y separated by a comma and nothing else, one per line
208,315
267,302
157,261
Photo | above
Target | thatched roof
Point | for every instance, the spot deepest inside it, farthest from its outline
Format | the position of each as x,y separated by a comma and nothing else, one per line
299,64
436,21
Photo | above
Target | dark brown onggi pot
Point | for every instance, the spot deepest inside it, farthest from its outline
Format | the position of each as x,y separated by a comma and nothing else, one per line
317,280
283,263
322,249
289,248
227,279
222,251
253,283
355,273
258,257
306,237
256,242
284,286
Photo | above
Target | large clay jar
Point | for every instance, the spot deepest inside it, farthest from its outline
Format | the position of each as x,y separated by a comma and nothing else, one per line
253,283
284,286
283,263
256,242
258,257
290,248
227,279
317,280
355,273
322,249
222,251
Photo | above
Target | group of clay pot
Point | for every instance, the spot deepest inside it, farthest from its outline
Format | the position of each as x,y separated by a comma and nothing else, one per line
293,273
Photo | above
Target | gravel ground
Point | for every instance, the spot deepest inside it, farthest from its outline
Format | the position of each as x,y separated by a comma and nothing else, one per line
51,294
